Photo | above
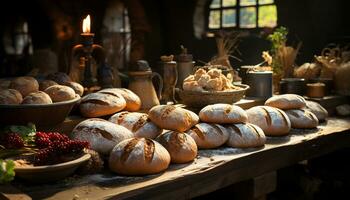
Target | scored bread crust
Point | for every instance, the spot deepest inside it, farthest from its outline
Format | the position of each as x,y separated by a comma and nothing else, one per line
133,102
223,113
245,135
286,101
320,112
302,118
208,136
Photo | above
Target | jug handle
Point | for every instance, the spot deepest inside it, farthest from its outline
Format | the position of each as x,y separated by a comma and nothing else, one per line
160,84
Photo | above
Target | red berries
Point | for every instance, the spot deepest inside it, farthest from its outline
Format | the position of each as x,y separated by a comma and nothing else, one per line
11,141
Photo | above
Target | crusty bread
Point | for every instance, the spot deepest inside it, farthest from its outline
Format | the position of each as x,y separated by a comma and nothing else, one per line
99,104
172,117
133,102
78,89
10,96
245,135
223,113
320,112
138,123
302,118
208,136
39,97
181,146
43,85
273,121
60,93
138,156
286,101
25,85
102,134
59,77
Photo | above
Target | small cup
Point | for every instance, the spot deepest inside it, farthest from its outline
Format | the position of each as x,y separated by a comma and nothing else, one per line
315,90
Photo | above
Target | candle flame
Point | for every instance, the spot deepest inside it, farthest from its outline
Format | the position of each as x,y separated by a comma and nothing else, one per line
86,24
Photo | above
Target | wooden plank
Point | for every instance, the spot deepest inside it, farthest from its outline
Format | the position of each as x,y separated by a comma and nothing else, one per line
8,192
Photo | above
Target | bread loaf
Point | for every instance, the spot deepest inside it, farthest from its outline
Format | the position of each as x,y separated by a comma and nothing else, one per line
223,113
60,93
43,85
138,123
181,147
101,134
99,104
25,85
286,101
320,112
208,136
78,89
138,156
133,102
302,118
273,121
39,97
10,96
173,118
59,77
245,135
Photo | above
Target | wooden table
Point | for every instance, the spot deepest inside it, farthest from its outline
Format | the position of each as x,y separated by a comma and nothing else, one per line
212,170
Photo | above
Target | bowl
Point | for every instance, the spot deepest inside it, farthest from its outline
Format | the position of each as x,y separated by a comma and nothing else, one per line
198,99
49,173
39,114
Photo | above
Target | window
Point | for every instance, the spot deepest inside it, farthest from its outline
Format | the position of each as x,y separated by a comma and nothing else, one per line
244,14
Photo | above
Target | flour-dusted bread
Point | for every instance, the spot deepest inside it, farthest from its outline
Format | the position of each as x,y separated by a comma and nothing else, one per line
10,96
173,118
78,89
99,104
138,156
43,85
101,134
320,112
286,101
60,93
302,118
223,113
273,121
181,146
138,123
133,102
208,136
25,85
39,97
245,135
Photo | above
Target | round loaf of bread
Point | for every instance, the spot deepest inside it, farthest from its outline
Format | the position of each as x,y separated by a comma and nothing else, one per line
43,85
60,93
59,77
138,156
273,121
10,96
181,146
78,89
173,118
133,102
320,112
138,123
208,136
286,101
39,97
245,135
99,104
25,85
101,134
223,113
302,118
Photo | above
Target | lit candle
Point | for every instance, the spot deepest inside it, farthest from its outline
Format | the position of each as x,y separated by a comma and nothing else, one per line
87,26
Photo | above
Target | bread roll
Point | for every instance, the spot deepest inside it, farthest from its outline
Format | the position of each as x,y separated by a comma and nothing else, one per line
172,117
102,134
320,112
133,102
78,89
37,98
302,118
245,135
286,101
138,123
223,113
99,104
25,85
43,85
273,121
10,96
60,93
138,156
181,146
59,77
208,136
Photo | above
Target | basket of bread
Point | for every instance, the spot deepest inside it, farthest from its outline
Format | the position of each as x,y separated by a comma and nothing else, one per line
210,86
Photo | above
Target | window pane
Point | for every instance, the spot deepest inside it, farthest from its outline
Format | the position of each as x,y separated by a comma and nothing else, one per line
215,4
247,17
214,19
229,18
226,3
265,1
267,16
247,2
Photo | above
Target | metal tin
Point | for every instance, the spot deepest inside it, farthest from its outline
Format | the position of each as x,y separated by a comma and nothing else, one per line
260,84
292,86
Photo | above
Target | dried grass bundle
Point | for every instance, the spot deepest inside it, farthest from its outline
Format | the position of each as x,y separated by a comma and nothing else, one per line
285,56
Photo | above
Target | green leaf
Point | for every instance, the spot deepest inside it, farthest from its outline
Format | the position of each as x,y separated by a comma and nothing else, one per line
7,171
